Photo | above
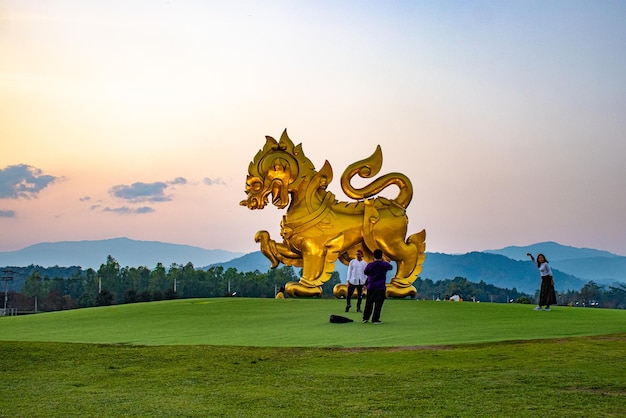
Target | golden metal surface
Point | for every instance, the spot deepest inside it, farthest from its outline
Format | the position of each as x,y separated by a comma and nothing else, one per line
317,230
341,291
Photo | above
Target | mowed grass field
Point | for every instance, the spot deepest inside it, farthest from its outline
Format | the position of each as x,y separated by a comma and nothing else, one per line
283,358
305,323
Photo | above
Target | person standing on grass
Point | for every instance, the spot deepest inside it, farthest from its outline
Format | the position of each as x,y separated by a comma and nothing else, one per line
547,295
376,273
356,280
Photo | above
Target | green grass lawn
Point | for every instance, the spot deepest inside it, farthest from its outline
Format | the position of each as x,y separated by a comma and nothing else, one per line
262,357
305,323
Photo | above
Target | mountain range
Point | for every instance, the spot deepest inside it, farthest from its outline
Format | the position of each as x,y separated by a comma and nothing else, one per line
127,252
508,267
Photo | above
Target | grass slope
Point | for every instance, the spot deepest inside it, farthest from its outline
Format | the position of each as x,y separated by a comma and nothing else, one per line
255,357
569,377
305,323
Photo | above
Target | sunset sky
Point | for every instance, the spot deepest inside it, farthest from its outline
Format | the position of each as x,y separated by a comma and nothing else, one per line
138,119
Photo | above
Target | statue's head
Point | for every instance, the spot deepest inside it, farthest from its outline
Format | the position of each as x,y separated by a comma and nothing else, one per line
276,170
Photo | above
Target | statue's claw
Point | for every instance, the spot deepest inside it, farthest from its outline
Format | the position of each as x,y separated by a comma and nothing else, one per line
298,289
341,291
393,291
400,292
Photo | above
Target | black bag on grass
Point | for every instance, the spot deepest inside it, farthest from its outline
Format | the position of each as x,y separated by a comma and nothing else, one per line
337,319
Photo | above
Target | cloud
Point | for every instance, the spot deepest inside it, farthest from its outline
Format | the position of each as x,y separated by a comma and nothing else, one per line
125,210
141,192
23,180
178,180
144,209
211,182
7,213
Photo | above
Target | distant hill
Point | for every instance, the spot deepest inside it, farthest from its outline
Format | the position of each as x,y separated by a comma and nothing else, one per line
249,262
506,268
552,250
588,264
127,252
494,269
257,261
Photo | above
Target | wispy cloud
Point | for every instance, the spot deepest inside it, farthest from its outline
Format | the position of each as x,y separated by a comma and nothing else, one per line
146,192
141,192
144,209
125,210
23,180
178,180
212,182
7,213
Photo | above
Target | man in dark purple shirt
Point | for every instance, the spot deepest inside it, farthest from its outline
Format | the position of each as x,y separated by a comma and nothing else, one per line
376,273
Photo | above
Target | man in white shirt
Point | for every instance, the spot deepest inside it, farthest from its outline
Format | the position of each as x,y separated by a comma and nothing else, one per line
356,280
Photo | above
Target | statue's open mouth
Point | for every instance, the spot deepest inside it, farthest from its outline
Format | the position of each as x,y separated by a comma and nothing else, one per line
279,194
253,202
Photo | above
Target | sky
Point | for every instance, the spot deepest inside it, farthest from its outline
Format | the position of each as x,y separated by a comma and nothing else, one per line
138,119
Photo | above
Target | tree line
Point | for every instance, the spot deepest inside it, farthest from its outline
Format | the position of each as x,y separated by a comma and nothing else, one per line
591,294
469,291
112,284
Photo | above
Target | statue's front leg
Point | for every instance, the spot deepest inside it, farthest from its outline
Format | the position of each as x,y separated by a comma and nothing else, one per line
312,267
318,266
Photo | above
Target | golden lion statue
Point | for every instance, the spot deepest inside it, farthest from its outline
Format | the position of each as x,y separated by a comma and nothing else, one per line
317,229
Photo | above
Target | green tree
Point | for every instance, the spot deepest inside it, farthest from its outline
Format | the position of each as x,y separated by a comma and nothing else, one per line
109,277
590,292
74,286
90,289
616,296
215,281
33,287
278,277
234,282
131,296
327,288
189,281
159,282
105,298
